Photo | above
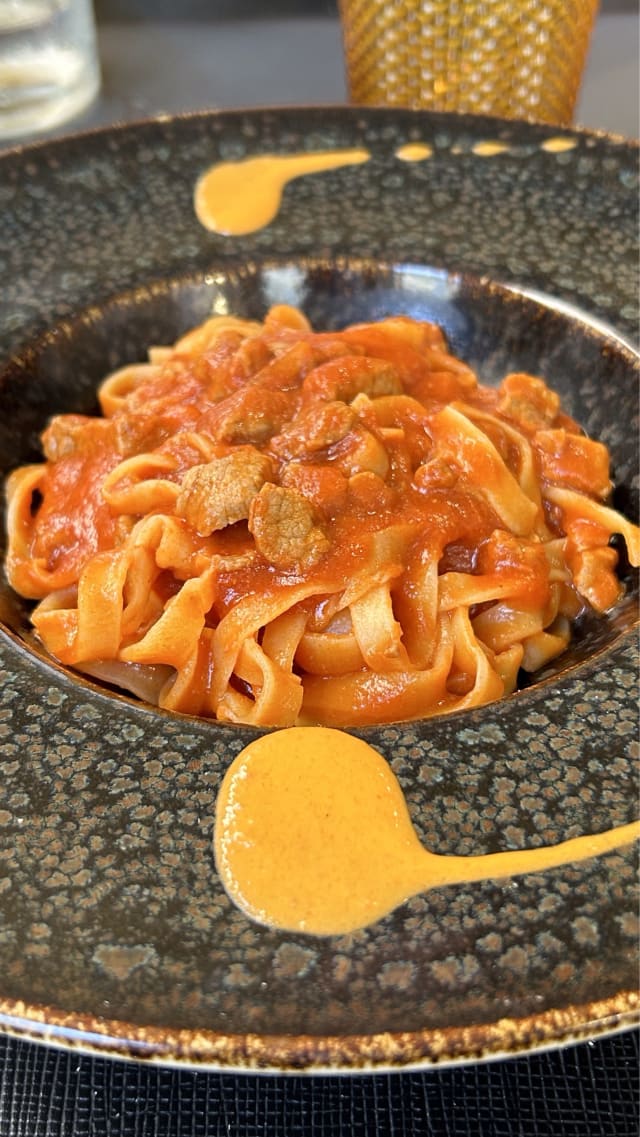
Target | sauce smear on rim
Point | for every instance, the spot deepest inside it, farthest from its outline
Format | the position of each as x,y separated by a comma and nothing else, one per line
234,198
313,835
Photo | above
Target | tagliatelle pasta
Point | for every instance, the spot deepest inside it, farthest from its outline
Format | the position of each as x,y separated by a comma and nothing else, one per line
274,525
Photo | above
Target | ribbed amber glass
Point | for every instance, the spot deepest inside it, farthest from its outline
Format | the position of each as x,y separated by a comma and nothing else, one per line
513,58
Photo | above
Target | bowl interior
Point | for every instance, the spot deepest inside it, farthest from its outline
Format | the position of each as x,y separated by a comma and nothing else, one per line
493,328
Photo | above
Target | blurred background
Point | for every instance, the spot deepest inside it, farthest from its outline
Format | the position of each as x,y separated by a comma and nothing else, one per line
298,58
136,10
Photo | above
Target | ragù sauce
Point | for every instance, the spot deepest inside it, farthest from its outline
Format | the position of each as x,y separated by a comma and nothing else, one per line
313,835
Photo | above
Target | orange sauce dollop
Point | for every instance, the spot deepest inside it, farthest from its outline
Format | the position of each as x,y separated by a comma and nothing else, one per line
234,198
313,835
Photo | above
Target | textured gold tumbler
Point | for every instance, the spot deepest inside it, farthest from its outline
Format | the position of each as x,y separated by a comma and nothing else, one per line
512,58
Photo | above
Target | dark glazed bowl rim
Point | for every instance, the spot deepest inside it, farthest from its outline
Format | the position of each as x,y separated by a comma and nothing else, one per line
554,187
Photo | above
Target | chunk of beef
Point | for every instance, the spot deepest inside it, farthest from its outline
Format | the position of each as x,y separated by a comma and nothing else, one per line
220,492
573,460
70,434
250,415
284,527
346,377
315,428
528,401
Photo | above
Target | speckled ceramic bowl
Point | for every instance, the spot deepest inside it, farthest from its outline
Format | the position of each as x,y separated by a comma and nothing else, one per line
115,933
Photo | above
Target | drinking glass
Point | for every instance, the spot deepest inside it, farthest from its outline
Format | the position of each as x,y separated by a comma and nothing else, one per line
49,68
511,58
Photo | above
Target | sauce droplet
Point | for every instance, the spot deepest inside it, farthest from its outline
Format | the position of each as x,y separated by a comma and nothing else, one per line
489,149
234,198
414,152
558,145
313,835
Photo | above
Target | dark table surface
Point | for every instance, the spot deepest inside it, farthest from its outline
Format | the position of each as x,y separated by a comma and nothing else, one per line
589,1088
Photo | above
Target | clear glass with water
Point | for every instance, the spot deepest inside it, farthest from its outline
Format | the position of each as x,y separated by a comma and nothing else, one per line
49,68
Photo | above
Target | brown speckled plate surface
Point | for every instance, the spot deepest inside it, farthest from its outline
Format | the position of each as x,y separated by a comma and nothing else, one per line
115,933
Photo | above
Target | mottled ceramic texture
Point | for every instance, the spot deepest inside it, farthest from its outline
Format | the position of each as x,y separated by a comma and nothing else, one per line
114,929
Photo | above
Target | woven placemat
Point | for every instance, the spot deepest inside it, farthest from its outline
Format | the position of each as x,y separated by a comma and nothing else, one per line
592,1088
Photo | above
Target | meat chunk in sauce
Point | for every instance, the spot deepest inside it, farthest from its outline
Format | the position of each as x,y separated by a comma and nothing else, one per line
573,460
316,428
284,528
344,378
250,415
219,493
528,401
70,435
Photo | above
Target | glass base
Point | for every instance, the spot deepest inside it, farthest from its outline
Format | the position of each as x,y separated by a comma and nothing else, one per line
38,95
